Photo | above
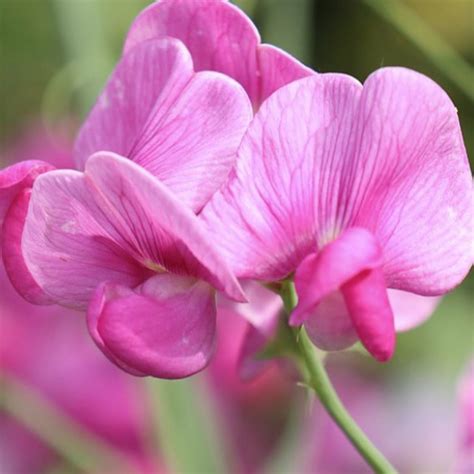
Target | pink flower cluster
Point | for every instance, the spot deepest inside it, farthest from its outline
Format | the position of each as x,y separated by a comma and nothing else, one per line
211,158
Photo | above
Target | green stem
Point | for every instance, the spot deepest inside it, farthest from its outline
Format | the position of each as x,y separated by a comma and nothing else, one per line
440,53
77,446
317,379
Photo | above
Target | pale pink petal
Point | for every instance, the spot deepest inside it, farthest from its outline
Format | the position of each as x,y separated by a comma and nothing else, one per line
165,328
329,325
415,188
15,178
114,223
367,302
282,199
13,260
411,310
182,127
220,37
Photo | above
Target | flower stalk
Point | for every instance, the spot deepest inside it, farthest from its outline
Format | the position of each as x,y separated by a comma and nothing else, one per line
317,379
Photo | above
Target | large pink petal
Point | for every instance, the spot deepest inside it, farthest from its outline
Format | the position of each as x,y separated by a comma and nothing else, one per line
114,223
15,266
281,202
182,127
320,157
165,328
415,188
220,37
15,178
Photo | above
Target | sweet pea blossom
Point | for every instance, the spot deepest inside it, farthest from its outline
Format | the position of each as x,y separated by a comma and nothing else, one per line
121,238
220,37
352,189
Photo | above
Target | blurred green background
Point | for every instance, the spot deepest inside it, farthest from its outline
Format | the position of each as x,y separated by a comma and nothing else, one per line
56,55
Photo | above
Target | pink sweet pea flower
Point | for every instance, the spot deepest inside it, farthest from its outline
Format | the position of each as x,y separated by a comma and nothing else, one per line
354,189
122,238
220,37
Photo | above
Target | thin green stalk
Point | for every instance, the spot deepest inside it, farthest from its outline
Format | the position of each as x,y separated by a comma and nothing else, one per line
317,379
61,433
440,53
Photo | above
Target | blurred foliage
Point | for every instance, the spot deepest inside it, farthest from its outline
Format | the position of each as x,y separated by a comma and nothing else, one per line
329,35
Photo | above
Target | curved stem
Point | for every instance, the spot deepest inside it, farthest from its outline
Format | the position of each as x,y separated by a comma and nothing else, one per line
317,379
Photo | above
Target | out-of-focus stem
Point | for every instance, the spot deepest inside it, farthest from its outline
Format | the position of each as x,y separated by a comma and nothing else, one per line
318,380
77,446
440,53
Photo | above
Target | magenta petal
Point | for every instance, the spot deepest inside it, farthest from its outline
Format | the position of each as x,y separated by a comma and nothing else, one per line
13,259
323,273
220,37
15,178
165,328
367,301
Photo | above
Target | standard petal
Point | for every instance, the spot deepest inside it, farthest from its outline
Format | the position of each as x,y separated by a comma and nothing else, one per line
13,259
182,127
67,241
161,230
282,200
220,37
16,178
165,328
410,181
411,310
155,71
191,145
